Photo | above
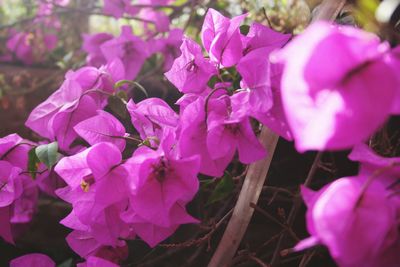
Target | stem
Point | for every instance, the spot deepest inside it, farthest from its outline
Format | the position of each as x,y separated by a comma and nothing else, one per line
249,193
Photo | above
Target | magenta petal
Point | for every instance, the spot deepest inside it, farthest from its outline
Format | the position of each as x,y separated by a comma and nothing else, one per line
327,104
40,119
33,260
82,243
102,128
69,116
102,157
191,71
73,168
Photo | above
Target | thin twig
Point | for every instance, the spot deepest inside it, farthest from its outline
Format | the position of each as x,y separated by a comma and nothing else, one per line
296,206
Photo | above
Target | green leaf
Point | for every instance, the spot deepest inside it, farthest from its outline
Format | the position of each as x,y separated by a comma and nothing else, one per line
117,106
33,162
244,29
47,154
223,189
133,83
213,80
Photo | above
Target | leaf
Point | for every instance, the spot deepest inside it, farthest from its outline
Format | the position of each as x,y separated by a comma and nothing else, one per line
213,80
244,29
223,189
117,106
47,154
33,162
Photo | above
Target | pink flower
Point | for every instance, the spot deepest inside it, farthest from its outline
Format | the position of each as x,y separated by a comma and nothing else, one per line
161,185
217,136
342,215
221,38
130,49
21,46
97,191
191,71
68,117
331,76
33,260
18,192
151,117
169,47
91,45
193,139
81,94
102,128
116,8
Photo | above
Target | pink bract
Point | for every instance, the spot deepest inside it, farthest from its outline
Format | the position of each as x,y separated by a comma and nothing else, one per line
331,76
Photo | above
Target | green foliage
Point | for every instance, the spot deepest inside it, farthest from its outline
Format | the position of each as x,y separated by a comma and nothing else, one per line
223,189
48,154
33,162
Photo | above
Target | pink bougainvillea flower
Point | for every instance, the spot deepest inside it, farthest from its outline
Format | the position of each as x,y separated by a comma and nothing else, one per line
341,216
130,49
331,76
116,8
193,139
157,18
151,232
42,116
159,181
10,183
30,47
169,47
86,246
394,59
21,45
33,260
18,192
102,128
97,191
252,102
228,134
87,84
381,169
371,162
260,36
151,117
91,45
191,71
68,117
24,207
222,38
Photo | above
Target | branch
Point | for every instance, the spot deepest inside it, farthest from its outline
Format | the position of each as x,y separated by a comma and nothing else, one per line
242,212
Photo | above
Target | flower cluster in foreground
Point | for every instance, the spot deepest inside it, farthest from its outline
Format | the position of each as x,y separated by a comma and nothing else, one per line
316,89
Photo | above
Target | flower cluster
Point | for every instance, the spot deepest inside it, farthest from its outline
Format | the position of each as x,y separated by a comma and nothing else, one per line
18,192
316,90
33,44
103,48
